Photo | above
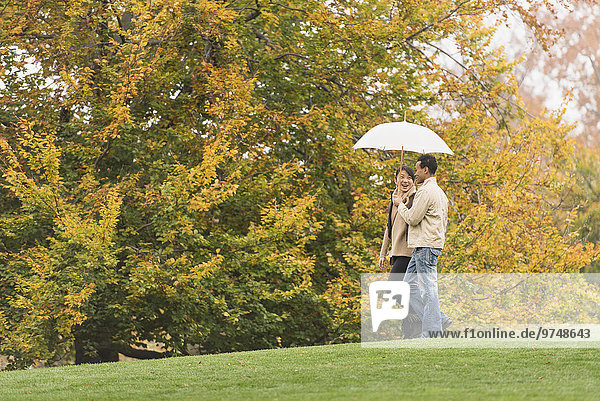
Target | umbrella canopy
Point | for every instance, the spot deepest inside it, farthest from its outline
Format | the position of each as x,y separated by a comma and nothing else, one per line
403,136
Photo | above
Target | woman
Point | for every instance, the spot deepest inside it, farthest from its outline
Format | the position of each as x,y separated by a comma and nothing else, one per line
397,229
396,236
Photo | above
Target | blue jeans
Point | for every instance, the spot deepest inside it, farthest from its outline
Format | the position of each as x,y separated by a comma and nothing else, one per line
421,274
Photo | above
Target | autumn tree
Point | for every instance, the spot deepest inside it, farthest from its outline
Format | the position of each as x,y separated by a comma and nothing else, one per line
181,171
570,70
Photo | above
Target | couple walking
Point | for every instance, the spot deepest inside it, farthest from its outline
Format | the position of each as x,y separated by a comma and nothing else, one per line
416,230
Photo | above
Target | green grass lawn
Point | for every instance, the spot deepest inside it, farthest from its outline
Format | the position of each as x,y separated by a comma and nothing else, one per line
335,372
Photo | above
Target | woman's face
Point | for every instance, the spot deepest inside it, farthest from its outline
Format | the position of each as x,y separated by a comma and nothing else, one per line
403,181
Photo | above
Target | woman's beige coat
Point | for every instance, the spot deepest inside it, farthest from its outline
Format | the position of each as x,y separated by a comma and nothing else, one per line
399,231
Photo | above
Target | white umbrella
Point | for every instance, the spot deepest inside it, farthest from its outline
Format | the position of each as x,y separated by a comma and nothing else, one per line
403,136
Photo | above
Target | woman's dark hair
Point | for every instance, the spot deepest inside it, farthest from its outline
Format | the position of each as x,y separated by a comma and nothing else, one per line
408,170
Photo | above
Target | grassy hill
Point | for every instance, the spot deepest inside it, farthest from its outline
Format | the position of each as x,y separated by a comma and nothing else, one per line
335,372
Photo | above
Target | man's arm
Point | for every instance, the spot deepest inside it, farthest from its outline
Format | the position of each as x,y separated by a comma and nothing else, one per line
415,214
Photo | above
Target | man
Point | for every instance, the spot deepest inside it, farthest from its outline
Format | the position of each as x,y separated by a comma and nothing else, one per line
427,221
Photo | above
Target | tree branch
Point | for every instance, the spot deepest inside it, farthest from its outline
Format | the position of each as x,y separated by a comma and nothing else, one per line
255,13
32,36
262,37
290,8
596,72
291,54
429,26
103,154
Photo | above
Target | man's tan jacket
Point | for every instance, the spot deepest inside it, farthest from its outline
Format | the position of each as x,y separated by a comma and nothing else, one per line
399,245
428,217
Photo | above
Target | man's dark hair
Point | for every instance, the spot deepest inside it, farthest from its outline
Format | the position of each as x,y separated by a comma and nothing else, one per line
428,161
408,170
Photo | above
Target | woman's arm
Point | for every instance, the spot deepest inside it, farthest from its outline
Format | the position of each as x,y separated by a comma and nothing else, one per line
385,245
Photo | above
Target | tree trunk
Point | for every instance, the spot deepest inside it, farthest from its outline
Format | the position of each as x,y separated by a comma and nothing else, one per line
86,352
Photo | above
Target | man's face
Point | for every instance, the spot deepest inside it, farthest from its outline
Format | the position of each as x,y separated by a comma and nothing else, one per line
420,173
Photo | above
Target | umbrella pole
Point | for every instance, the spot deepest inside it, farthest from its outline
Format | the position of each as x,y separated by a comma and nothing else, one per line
402,157
400,171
